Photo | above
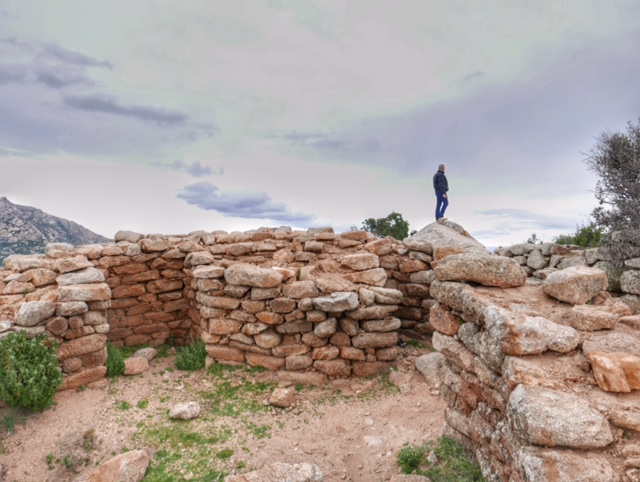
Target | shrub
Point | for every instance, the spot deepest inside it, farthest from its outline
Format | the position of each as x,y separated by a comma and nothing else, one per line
29,371
586,236
115,361
192,356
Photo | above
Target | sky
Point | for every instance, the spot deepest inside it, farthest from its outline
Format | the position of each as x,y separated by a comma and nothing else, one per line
172,117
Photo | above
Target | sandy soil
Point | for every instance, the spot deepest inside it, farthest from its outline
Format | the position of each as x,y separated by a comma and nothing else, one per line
351,437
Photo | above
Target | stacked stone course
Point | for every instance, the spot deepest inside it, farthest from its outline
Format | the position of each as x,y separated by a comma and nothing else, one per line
270,297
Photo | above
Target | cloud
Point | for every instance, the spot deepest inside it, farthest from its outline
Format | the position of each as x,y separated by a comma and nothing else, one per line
519,129
58,78
242,205
56,52
520,219
11,73
108,105
194,169
477,74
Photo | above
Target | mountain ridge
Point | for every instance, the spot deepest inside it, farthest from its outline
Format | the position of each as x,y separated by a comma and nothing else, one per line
27,230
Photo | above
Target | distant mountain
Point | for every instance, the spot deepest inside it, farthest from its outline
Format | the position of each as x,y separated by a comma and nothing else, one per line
26,230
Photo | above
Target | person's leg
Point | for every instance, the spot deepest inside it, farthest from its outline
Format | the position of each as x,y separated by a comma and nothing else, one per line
445,203
439,200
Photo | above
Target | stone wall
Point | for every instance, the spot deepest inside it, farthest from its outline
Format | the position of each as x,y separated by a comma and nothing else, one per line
540,375
310,301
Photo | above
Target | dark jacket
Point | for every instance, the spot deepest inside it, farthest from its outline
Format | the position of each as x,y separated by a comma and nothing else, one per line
440,183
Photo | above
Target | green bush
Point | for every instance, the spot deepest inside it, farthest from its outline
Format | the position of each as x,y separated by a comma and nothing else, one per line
29,371
586,236
192,356
115,361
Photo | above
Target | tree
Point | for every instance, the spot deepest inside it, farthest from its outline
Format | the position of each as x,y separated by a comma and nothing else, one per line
616,160
393,225
586,236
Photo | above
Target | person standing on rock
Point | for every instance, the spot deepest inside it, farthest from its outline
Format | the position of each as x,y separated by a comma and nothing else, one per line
441,186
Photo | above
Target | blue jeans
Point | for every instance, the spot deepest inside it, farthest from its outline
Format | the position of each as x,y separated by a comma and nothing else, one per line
441,205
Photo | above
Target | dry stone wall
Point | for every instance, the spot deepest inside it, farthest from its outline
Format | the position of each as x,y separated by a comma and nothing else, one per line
295,301
541,377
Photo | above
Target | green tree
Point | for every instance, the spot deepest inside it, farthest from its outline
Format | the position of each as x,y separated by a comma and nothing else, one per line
586,236
615,158
393,225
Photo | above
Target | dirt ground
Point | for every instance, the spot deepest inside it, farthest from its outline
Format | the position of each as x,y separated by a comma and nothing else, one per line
352,429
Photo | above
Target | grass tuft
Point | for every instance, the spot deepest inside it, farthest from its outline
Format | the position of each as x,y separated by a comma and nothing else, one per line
191,357
115,361
444,460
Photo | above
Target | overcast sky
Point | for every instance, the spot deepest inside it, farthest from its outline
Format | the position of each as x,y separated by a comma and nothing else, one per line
170,117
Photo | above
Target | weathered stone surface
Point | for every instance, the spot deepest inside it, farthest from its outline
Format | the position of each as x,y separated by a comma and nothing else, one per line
66,265
389,324
536,260
444,236
371,277
268,339
86,292
360,261
333,368
375,340
224,326
148,353
588,318
616,372
34,312
376,312
301,289
443,320
185,411
335,302
135,365
283,397
610,342
488,270
18,287
87,275
627,419
127,467
129,236
221,302
386,296
326,328
71,308
431,366
81,346
268,362
630,282
575,285
208,272
225,353
21,262
551,418
281,471
250,275
83,377
538,464
520,334
282,305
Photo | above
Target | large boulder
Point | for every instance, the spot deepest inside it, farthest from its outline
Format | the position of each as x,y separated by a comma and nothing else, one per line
551,418
546,464
575,285
444,235
486,269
